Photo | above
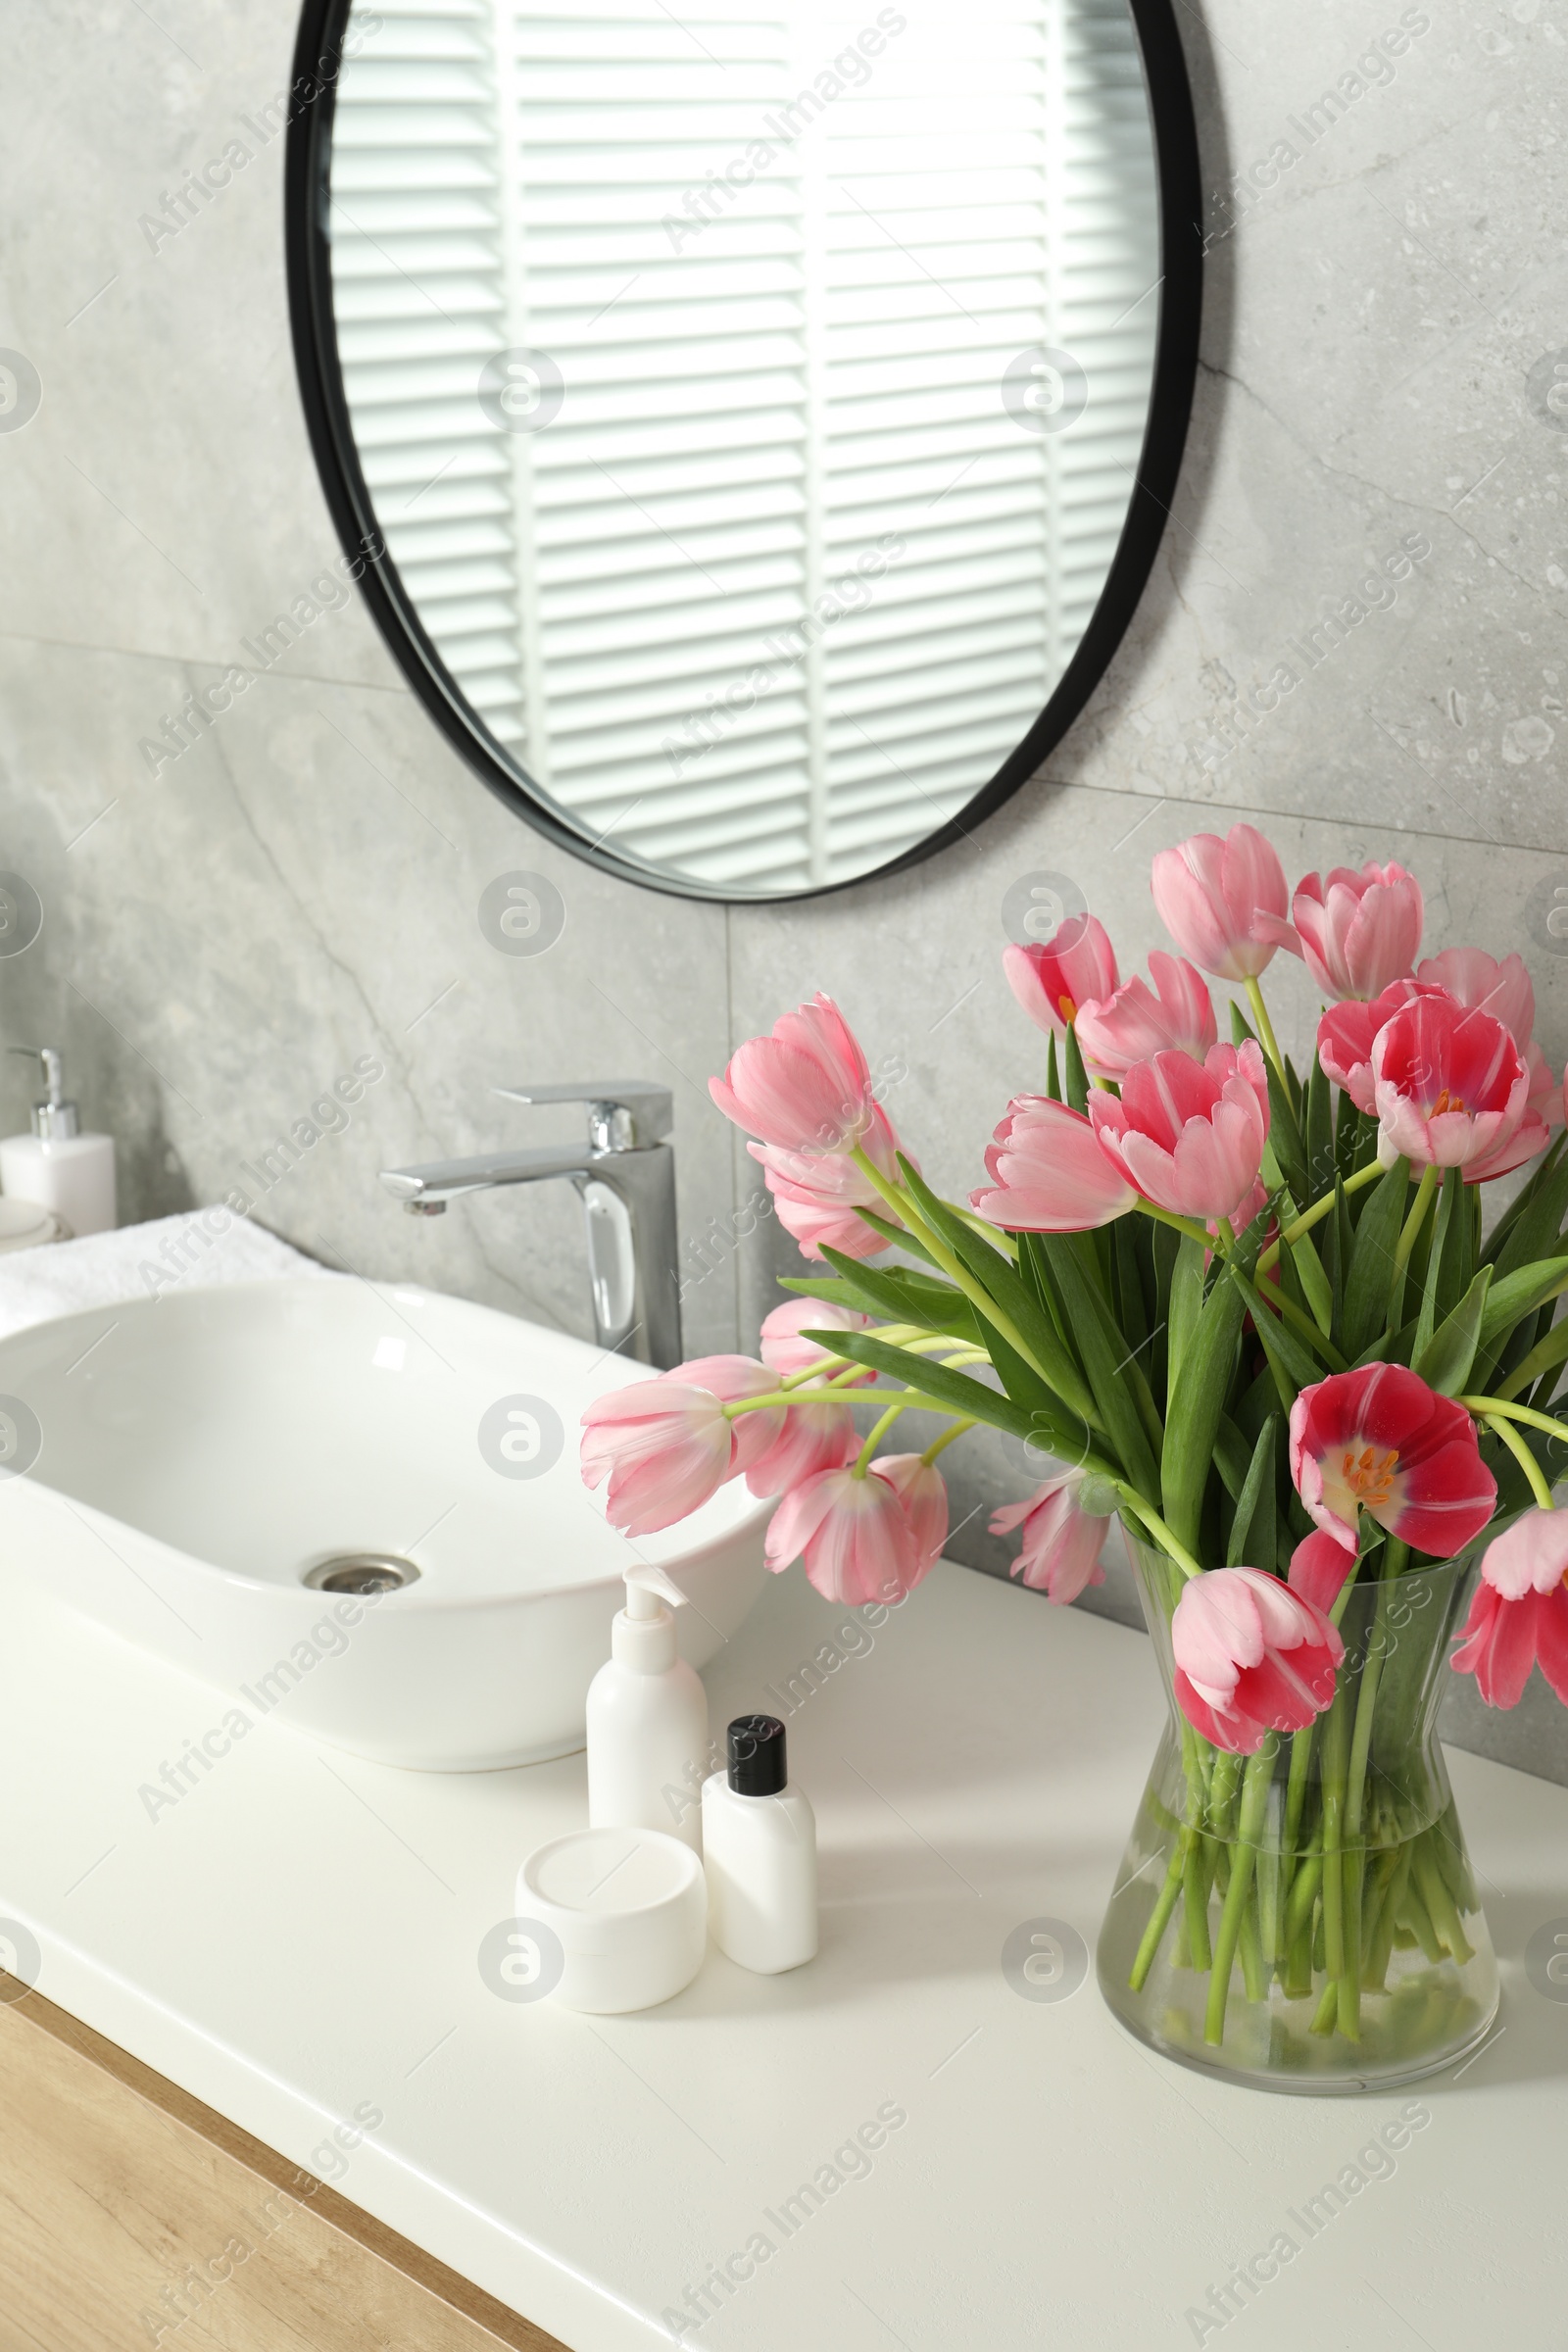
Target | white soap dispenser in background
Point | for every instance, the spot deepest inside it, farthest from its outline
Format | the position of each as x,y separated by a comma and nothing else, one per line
760,1853
647,1719
57,1165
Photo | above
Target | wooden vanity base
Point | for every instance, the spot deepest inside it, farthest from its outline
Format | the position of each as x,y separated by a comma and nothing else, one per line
133,2217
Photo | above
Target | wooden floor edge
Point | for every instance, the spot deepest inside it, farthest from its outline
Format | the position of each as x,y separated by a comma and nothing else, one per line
450,2286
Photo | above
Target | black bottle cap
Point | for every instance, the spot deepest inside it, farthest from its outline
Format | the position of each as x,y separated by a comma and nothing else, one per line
756,1764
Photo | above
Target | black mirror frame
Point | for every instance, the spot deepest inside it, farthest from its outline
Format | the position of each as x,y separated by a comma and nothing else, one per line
317,59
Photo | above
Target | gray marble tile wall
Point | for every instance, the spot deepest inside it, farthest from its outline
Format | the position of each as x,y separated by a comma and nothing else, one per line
227,933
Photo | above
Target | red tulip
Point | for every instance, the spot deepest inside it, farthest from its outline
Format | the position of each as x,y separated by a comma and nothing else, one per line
1519,1616
1379,1440
1451,1090
1252,1656
1319,1566
1482,984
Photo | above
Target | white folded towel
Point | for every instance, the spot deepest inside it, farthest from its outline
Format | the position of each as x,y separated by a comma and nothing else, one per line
140,1261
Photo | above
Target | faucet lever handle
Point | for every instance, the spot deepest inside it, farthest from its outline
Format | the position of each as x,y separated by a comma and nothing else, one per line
649,1110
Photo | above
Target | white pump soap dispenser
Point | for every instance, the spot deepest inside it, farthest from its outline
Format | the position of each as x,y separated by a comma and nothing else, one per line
57,1165
647,1720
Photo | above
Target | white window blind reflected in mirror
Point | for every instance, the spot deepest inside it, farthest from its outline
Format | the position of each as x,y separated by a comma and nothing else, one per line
750,398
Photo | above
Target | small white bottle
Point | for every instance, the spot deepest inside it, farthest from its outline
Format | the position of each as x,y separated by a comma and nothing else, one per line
760,1853
647,1719
57,1165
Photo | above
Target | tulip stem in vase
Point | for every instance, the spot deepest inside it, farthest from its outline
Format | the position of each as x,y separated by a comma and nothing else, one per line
1315,1424
1394,1557
1242,1862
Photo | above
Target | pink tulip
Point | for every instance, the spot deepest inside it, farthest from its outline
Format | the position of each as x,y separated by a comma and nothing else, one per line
1451,1090
1519,1616
815,1437
1252,1656
1243,1213
664,1445
805,1088
783,1349
1051,982
1319,1566
1345,1035
1188,1133
1358,932
815,1220
1482,984
1379,1440
1051,1172
1138,1021
818,1194
851,1535
1062,1545
1214,897
1545,1100
923,1491
1465,976
729,1377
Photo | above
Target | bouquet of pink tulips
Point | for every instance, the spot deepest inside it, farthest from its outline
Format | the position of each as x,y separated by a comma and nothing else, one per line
1252,1312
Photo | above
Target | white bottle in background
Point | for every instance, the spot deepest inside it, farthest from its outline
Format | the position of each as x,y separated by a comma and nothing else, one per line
760,1852
57,1165
647,1719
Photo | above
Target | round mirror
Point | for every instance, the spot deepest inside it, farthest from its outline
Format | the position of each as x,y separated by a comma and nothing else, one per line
753,426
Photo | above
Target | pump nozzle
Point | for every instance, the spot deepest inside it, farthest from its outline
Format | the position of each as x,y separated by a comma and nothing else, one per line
646,1587
642,1635
54,1118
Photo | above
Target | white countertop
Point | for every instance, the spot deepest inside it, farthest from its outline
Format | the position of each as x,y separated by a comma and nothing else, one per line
299,1935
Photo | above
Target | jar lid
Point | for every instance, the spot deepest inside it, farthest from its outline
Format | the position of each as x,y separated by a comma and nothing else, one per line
24,1224
627,1909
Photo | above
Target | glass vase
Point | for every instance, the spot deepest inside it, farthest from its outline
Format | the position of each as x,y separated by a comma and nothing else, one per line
1306,1919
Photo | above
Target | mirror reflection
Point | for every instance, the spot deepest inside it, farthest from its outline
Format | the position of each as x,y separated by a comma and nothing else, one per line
749,397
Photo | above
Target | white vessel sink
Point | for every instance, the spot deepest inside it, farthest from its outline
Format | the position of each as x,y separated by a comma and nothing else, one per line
178,1467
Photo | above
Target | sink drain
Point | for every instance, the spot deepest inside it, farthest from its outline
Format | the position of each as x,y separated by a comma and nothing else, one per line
360,1571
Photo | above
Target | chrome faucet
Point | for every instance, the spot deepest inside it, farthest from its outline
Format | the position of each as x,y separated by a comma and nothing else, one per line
625,1176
